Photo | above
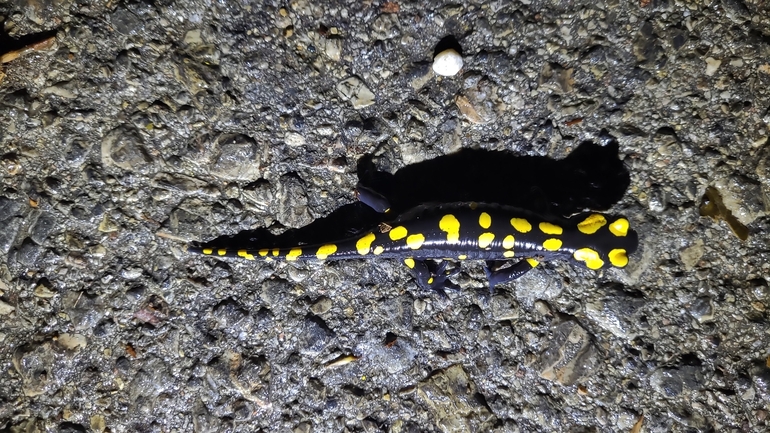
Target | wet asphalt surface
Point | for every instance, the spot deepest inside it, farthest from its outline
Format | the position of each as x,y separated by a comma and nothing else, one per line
128,130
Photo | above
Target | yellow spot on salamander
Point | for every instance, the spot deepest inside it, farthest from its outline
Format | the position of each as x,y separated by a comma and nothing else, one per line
485,220
451,226
222,252
325,251
619,227
207,251
263,252
398,233
485,239
378,250
508,254
245,254
550,229
552,244
409,262
618,257
533,262
592,224
364,244
462,257
509,242
521,225
415,241
293,254
589,257
430,280
276,251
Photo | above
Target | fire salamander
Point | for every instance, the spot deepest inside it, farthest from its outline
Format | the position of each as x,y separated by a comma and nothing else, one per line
498,234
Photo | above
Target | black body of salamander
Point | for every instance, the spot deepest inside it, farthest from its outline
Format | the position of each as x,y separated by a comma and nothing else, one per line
498,234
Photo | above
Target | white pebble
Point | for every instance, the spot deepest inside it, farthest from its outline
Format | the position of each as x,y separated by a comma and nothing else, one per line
447,63
712,65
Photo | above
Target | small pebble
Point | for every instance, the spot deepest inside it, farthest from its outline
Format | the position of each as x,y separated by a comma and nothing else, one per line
447,63
712,65
6,309
321,306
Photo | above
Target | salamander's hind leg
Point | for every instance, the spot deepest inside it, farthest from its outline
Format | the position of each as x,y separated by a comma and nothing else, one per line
497,275
435,280
372,198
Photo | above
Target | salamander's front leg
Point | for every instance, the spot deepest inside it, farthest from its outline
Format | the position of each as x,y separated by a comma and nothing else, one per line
431,280
496,276
372,198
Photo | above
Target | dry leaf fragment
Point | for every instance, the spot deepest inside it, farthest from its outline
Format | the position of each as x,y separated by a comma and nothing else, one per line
390,7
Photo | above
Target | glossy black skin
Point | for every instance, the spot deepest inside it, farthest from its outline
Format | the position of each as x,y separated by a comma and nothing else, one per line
526,251
425,220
